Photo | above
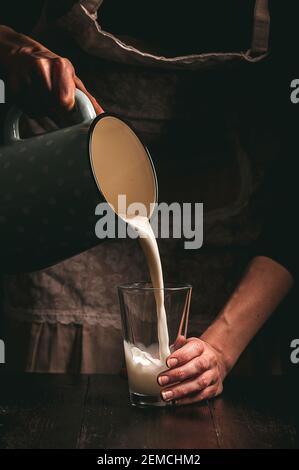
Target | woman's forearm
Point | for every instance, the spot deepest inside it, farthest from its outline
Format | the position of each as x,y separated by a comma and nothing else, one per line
197,369
263,286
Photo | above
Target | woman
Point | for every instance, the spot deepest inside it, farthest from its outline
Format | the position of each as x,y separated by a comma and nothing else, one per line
66,324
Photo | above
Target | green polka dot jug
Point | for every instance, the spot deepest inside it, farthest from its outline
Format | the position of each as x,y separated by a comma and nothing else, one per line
51,185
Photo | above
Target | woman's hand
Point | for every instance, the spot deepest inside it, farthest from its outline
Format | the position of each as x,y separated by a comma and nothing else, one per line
44,83
41,82
196,372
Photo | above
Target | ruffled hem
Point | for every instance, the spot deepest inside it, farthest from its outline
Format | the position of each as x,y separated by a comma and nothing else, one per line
56,347
52,316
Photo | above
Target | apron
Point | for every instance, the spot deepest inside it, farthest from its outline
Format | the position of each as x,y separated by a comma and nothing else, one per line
66,318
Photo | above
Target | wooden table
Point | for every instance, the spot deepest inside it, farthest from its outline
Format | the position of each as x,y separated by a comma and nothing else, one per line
60,411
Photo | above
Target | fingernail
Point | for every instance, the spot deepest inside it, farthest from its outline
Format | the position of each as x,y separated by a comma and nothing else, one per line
163,380
172,362
167,395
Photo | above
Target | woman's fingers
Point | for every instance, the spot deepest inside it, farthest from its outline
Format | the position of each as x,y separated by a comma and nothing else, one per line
196,366
97,107
207,393
193,348
179,342
44,74
63,83
193,374
44,84
188,387
40,90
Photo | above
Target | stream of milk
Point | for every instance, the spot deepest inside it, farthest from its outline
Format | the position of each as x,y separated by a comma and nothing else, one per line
144,364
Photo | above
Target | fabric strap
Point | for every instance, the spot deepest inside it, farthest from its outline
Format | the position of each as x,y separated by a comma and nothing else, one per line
91,5
261,28
261,23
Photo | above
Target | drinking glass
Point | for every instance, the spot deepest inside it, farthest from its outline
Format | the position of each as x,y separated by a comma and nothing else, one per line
140,333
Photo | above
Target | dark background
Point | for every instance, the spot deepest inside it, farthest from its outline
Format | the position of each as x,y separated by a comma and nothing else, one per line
261,99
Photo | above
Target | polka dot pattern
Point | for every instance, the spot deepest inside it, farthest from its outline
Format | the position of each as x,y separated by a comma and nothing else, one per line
49,198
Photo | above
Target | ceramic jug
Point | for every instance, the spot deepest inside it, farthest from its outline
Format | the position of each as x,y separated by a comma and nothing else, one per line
51,184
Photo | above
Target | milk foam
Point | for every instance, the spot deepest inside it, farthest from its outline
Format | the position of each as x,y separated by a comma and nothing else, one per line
143,368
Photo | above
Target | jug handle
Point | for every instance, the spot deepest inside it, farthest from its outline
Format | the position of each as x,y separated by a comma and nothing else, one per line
11,127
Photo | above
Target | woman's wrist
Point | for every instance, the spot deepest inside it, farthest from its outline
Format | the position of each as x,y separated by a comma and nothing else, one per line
9,43
12,42
220,338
